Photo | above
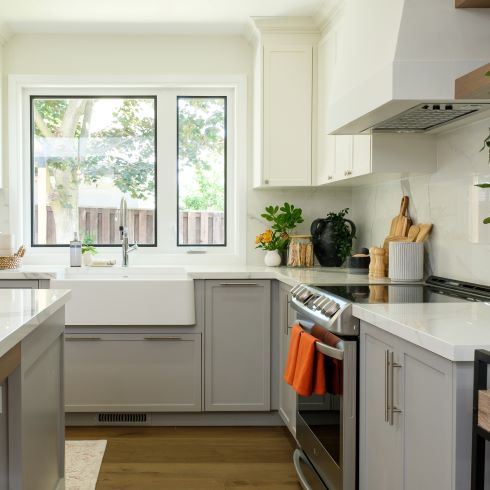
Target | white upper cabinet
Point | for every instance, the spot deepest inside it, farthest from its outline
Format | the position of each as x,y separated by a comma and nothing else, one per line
284,103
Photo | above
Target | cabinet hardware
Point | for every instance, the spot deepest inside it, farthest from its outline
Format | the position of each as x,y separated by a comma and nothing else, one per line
330,177
345,173
387,377
238,284
82,339
266,181
162,338
348,172
393,409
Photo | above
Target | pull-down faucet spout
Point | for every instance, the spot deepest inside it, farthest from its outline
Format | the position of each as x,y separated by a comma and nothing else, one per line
123,230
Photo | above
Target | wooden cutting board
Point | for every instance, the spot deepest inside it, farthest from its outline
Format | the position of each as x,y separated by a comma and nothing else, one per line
401,224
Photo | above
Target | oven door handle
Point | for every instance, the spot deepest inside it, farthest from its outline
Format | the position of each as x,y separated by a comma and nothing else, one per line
329,351
298,456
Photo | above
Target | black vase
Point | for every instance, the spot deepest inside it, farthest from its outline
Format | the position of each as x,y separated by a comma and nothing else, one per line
325,247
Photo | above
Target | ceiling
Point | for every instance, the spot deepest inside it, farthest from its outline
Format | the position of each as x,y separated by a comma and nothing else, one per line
144,16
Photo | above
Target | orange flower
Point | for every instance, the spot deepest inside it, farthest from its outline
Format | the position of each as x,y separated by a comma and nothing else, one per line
258,239
267,236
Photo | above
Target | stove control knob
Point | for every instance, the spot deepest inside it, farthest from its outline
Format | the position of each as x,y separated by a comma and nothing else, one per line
317,303
331,309
304,295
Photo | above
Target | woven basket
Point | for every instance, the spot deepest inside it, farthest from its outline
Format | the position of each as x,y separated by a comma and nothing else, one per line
10,261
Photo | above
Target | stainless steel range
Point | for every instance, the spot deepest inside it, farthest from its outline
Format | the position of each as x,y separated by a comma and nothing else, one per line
326,426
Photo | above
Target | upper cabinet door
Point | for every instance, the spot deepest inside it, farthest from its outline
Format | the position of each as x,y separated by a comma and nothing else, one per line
287,115
343,156
361,155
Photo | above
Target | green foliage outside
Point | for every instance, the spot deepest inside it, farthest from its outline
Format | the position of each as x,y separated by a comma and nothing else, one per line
201,153
124,152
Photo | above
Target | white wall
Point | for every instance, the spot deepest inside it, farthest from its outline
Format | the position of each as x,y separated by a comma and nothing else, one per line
459,246
158,55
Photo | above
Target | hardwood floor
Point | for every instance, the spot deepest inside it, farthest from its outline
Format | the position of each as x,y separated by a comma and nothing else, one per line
193,458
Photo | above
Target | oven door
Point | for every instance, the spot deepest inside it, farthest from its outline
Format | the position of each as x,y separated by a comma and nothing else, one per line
326,426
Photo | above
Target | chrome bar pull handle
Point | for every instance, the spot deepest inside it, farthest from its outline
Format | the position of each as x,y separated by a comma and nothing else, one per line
393,409
387,380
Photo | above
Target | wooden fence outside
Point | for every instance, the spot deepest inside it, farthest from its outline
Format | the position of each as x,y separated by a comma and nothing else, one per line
195,227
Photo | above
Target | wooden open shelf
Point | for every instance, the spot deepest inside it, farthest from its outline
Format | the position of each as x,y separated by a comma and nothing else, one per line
473,85
472,4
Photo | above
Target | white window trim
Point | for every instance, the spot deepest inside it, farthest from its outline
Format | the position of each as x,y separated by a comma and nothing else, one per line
21,86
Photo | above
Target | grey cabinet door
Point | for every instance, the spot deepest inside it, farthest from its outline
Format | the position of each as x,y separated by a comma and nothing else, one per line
20,284
4,467
287,396
380,455
135,372
426,397
237,345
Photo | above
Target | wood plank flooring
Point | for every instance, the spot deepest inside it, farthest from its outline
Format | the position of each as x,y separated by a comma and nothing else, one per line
193,458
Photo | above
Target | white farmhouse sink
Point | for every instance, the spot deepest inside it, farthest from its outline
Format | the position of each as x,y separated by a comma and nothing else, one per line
128,296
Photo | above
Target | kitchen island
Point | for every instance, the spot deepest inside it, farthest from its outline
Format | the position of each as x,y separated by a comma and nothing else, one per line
32,326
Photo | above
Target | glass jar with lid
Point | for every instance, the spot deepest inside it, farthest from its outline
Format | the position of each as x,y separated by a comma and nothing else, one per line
300,251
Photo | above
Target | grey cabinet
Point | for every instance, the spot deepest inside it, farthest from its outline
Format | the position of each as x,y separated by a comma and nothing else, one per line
19,284
237,345
287,396
133,372
410,433
3,436
380,473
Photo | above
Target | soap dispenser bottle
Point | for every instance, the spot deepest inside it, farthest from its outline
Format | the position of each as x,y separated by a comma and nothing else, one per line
75,252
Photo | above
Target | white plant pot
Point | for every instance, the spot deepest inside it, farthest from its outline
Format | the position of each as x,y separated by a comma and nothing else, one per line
272,258
86,259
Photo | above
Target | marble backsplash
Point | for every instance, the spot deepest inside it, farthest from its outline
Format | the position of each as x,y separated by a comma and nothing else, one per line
459,246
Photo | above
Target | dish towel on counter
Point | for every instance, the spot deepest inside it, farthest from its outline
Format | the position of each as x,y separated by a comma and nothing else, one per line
305,365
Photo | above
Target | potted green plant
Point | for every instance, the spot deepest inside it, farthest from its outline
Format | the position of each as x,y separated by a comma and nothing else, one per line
88,249
486,146
332,238
272,242
284,219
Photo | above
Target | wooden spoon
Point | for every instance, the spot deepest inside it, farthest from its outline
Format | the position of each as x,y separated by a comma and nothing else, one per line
424,232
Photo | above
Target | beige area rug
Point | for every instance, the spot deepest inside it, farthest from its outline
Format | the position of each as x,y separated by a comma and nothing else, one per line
82,464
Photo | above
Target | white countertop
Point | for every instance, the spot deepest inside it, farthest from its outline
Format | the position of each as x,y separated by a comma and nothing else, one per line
291,276
451,330
23,310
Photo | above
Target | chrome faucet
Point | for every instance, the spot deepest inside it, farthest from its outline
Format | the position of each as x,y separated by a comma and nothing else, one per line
123,229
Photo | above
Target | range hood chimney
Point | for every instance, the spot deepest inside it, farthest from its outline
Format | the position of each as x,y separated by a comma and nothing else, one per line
397,63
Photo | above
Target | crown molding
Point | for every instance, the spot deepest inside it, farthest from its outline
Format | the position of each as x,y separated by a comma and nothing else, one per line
251,33
5,33
328,14
285,25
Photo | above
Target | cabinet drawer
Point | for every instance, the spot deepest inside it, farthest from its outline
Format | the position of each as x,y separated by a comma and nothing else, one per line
133,372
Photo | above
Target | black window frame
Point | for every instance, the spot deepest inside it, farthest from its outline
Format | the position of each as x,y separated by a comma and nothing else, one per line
225,164
31,150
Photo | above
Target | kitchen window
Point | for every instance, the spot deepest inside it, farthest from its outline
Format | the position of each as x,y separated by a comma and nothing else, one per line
175,147
201,169
86,153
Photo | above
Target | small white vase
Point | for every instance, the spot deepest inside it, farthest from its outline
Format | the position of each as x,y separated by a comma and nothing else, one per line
272,258
87,259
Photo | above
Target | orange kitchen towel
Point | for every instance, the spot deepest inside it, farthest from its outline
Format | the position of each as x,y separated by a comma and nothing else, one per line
320,383
290,368
332,371
308,365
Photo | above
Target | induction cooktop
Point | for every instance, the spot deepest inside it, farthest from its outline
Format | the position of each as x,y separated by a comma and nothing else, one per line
434,290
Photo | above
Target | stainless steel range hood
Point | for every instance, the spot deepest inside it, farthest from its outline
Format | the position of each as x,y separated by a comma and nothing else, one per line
397,64
426,117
